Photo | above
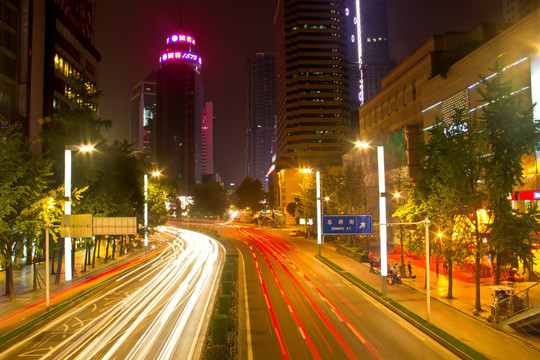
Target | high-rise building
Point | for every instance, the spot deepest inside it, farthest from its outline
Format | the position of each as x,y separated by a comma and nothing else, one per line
177,144
312,83
207,139
47,46
143,114
261,120
369,52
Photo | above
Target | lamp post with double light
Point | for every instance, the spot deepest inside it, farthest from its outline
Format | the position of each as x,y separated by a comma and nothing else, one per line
382,211
67,207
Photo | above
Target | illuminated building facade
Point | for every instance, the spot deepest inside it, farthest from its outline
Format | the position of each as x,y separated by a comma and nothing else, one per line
207,139
369,51
312,83
177,145
143,114
46,47
261,121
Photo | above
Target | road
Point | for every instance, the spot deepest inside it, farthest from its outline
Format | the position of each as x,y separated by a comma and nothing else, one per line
299,309
155,310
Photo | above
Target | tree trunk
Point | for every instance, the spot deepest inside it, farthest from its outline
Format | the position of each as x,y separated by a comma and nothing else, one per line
107,250
113,247
450,280
86,257
59,267
96,245
34,280
10,291
73,251
122,245
477,304
52,262
498,259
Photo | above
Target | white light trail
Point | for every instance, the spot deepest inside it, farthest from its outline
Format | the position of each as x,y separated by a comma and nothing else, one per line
151,320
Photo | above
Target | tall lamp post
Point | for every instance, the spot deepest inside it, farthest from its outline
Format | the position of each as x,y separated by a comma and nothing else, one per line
67,206
155,173
319,208
382,213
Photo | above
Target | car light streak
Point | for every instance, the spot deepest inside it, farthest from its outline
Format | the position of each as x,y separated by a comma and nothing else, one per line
150,320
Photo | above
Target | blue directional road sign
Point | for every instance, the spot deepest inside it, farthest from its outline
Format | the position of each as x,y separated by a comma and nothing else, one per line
347,224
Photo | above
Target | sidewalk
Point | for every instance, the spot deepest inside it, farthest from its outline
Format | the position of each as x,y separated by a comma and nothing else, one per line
454,316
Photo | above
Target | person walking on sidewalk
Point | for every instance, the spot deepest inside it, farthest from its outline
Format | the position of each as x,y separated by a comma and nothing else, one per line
409,267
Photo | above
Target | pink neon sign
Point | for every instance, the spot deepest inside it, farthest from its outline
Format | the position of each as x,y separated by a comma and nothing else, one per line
180,55
181,38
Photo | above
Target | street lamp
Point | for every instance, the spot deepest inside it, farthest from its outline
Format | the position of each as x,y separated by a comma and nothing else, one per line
155,173
319,210
67,207
382,212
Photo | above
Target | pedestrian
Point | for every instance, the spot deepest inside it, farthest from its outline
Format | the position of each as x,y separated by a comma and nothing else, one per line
437,268
445,267
409,267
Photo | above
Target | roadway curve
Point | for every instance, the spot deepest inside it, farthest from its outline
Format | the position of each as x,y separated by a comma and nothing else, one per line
156,310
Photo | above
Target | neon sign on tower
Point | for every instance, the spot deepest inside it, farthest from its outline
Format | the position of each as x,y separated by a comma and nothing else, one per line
179,49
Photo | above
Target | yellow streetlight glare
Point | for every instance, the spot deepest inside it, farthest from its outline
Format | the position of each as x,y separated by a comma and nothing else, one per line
361,144
397,195
86,148
306,171
156,173
326,198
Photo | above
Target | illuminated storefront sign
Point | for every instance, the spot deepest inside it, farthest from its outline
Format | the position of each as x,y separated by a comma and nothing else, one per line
181,38
525,195
180,55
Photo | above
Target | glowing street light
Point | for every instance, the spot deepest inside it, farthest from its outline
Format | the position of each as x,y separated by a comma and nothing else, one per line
382,211
319,210
67,208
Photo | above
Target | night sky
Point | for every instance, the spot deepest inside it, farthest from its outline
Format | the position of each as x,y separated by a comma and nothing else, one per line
130,35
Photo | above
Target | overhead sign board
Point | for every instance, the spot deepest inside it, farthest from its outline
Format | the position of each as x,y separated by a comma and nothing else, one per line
347,224
115,226
76,226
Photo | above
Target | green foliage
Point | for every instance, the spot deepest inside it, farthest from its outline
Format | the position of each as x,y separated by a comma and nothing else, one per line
24,178
217,352
223,304
512,134
219,329
251,194
210,199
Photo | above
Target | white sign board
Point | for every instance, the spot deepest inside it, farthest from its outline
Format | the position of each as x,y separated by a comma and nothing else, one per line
76,226
115,226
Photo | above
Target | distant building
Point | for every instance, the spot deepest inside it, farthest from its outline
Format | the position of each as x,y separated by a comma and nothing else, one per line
207,139
143,114
261,120
177,144
515,10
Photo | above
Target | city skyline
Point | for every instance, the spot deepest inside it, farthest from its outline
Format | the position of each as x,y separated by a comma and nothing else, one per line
225,46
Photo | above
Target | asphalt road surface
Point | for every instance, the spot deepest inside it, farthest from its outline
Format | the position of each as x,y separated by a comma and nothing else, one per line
299,309
152,311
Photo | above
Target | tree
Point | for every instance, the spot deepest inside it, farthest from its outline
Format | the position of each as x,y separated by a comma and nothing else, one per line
209,199
449,189
24,177
512,134
250,194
